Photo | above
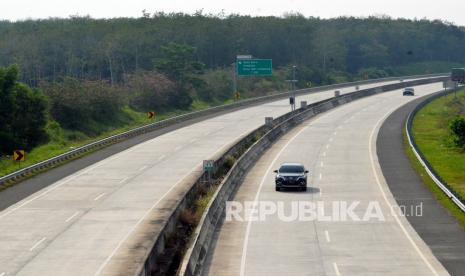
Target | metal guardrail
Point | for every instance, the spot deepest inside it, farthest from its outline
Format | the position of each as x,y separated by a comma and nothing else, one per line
441,183
192,263
15,176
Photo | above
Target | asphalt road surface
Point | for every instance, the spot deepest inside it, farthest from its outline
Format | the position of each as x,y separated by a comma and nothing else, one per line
339,149
437,227
96,220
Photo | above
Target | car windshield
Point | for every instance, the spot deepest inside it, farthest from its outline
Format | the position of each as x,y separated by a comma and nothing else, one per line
291,169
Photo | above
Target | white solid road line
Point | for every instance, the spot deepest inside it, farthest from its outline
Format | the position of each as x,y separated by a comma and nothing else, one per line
120,243
336,269
70,218
161,157
66,180
2,274
328,239
99,196
327,146
177,148
268,170
249,221
37,244
143,168
322,164
324,154
394,214
321,176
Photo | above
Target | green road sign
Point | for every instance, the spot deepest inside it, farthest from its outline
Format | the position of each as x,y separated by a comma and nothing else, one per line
254,67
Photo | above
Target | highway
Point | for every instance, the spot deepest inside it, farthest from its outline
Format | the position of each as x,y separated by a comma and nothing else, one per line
339,149
96,220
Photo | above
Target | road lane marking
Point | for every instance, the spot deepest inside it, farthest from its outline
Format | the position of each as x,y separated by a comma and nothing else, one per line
247,232
336,269
335,133
143,168
120,243
394,214
324,153
193,141
327,146
161,157
123,180
37,244
328,239
331,139
321,176
322,164
177,148
321,191
2,274
99,196
70,218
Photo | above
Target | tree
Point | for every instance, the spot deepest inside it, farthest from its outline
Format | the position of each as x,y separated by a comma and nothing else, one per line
457,127
178,64
23,113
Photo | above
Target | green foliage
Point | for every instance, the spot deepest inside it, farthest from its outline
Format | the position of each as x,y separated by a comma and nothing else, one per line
431,129
150,91
79,105
22,113
457,127
87,48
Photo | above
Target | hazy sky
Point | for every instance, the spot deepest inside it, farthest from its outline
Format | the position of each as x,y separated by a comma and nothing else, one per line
450,10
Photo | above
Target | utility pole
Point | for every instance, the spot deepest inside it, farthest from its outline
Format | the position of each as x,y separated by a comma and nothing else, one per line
293,81
234,79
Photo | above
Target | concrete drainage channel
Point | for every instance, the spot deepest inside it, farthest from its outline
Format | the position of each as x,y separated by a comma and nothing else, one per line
19,175
159,256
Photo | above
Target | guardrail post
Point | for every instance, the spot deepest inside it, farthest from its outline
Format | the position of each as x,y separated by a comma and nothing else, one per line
303,104
337,93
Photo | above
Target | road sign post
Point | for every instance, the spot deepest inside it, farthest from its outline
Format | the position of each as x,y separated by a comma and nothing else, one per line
254,67
19,156
208,168
151,115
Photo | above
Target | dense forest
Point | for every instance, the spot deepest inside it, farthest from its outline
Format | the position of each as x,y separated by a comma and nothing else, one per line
95,75
108,49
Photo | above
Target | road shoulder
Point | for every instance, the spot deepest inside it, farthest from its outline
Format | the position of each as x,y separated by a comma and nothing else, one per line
439,230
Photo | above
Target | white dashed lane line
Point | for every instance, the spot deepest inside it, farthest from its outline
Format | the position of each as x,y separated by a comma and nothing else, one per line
71,217
336,269
328,239
99,196
37,244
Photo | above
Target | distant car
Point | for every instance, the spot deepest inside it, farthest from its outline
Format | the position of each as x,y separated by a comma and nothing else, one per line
291,175
409,91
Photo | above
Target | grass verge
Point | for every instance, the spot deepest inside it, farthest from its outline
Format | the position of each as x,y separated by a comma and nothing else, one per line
62,140
432,141
433,137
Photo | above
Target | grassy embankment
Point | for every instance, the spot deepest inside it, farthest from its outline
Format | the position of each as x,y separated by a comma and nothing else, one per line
432,134
62,140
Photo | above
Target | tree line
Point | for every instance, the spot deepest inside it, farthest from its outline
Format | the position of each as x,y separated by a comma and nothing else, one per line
86,48
84,75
